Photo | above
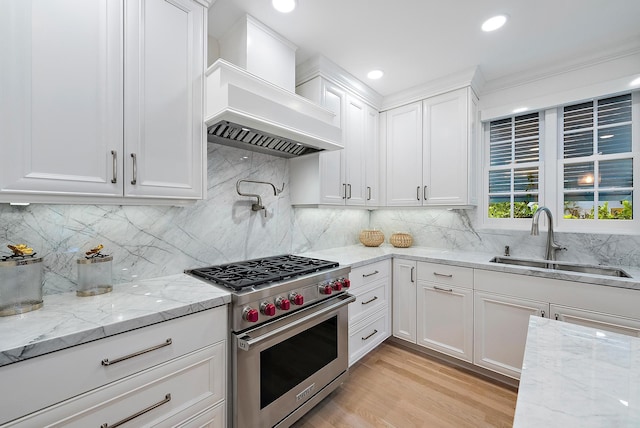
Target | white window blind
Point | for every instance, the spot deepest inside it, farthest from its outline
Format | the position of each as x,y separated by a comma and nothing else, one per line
514,162
597,159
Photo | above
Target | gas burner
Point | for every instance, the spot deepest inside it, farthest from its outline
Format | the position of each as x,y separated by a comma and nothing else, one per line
257,272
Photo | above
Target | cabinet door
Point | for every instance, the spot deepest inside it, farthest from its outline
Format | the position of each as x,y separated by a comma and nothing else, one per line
500,331
354,138
445,319
372,157
164,69
445,150
332,180
404,299
404,155
598,320
61,103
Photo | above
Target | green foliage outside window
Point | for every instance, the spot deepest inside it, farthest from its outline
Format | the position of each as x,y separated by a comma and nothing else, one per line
572,211
520,209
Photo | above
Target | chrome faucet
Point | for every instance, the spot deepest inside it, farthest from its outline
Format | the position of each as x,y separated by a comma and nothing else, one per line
258,206
552,245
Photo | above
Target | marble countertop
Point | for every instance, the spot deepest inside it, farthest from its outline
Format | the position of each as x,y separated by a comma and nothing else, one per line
359,255
575,376
66,320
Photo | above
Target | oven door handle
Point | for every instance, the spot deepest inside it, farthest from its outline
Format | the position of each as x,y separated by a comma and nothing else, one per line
245,342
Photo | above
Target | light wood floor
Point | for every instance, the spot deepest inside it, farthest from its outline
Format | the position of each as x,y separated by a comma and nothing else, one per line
397,387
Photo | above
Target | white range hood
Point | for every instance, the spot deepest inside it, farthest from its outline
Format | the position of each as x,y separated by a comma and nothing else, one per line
246,111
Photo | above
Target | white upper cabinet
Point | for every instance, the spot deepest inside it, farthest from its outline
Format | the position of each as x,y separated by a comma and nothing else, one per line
431,151
101,98
343,177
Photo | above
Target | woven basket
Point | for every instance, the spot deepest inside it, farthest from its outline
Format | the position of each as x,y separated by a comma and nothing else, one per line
371,238
401,240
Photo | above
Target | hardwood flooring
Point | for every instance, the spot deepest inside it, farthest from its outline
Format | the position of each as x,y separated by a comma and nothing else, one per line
397,387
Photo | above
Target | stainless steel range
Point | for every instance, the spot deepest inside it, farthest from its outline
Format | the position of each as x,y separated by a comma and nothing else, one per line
289,335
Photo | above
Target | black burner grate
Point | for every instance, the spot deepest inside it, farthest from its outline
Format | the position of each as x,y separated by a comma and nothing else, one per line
256,272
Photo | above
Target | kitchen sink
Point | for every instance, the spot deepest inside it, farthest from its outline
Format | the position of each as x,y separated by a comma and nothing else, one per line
563,266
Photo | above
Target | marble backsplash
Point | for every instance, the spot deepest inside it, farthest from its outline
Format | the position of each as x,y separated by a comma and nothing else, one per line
152,241
458,230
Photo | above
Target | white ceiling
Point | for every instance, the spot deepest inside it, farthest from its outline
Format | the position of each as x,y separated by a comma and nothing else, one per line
416,41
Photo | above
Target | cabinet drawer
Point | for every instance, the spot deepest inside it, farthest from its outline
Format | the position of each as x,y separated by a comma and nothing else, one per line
367,274
368,334
446,274
163,396
214,417
369,299
57,376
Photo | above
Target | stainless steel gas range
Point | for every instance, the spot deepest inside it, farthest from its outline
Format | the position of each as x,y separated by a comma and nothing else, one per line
289,335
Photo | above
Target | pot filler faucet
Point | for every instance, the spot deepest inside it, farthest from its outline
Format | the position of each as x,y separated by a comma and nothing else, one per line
258,206
552,245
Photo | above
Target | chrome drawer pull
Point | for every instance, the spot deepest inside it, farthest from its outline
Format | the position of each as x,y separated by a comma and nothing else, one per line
443,275
371,335
365,275
106,361
167,398
369,301
412,270
448,290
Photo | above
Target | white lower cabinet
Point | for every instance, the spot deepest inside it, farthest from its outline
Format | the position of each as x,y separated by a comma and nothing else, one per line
500,331
370,314
445,309
608,322
404,299
180,381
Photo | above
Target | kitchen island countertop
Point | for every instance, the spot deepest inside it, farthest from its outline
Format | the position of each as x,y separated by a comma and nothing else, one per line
575,376
66,320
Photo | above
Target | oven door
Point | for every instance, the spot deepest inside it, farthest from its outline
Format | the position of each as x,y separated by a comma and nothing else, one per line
280,366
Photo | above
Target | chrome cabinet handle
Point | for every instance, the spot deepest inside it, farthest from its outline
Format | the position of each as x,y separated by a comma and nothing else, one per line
370,300
167,398
448,290
349,187
424,193
418,193
114,174
344,191
368,193
443,275
412,269
371,335
107,362
135,169
365,275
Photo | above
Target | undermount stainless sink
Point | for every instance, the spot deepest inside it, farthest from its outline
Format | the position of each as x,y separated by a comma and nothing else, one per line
564,266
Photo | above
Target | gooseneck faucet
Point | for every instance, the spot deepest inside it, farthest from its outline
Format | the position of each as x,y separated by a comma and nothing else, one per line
258,206
552,245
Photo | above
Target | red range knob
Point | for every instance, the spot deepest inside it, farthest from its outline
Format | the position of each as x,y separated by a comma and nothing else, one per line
283,304
346,283
297,299
326,289
250,314
269,309
337,285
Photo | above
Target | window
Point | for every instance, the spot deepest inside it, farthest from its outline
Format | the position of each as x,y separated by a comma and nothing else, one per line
597,160
514,166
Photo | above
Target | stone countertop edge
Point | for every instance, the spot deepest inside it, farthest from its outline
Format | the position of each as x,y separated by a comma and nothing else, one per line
578,376
66,320
359,255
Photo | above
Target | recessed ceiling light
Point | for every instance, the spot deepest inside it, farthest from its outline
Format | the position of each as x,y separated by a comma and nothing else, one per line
494,23
520,109
375,74
635,82
284,6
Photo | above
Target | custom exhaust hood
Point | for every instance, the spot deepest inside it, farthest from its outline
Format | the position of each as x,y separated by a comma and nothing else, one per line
246,111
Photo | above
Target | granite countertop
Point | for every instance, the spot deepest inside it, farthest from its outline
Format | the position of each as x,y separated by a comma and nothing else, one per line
359,255
575,376
66,320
